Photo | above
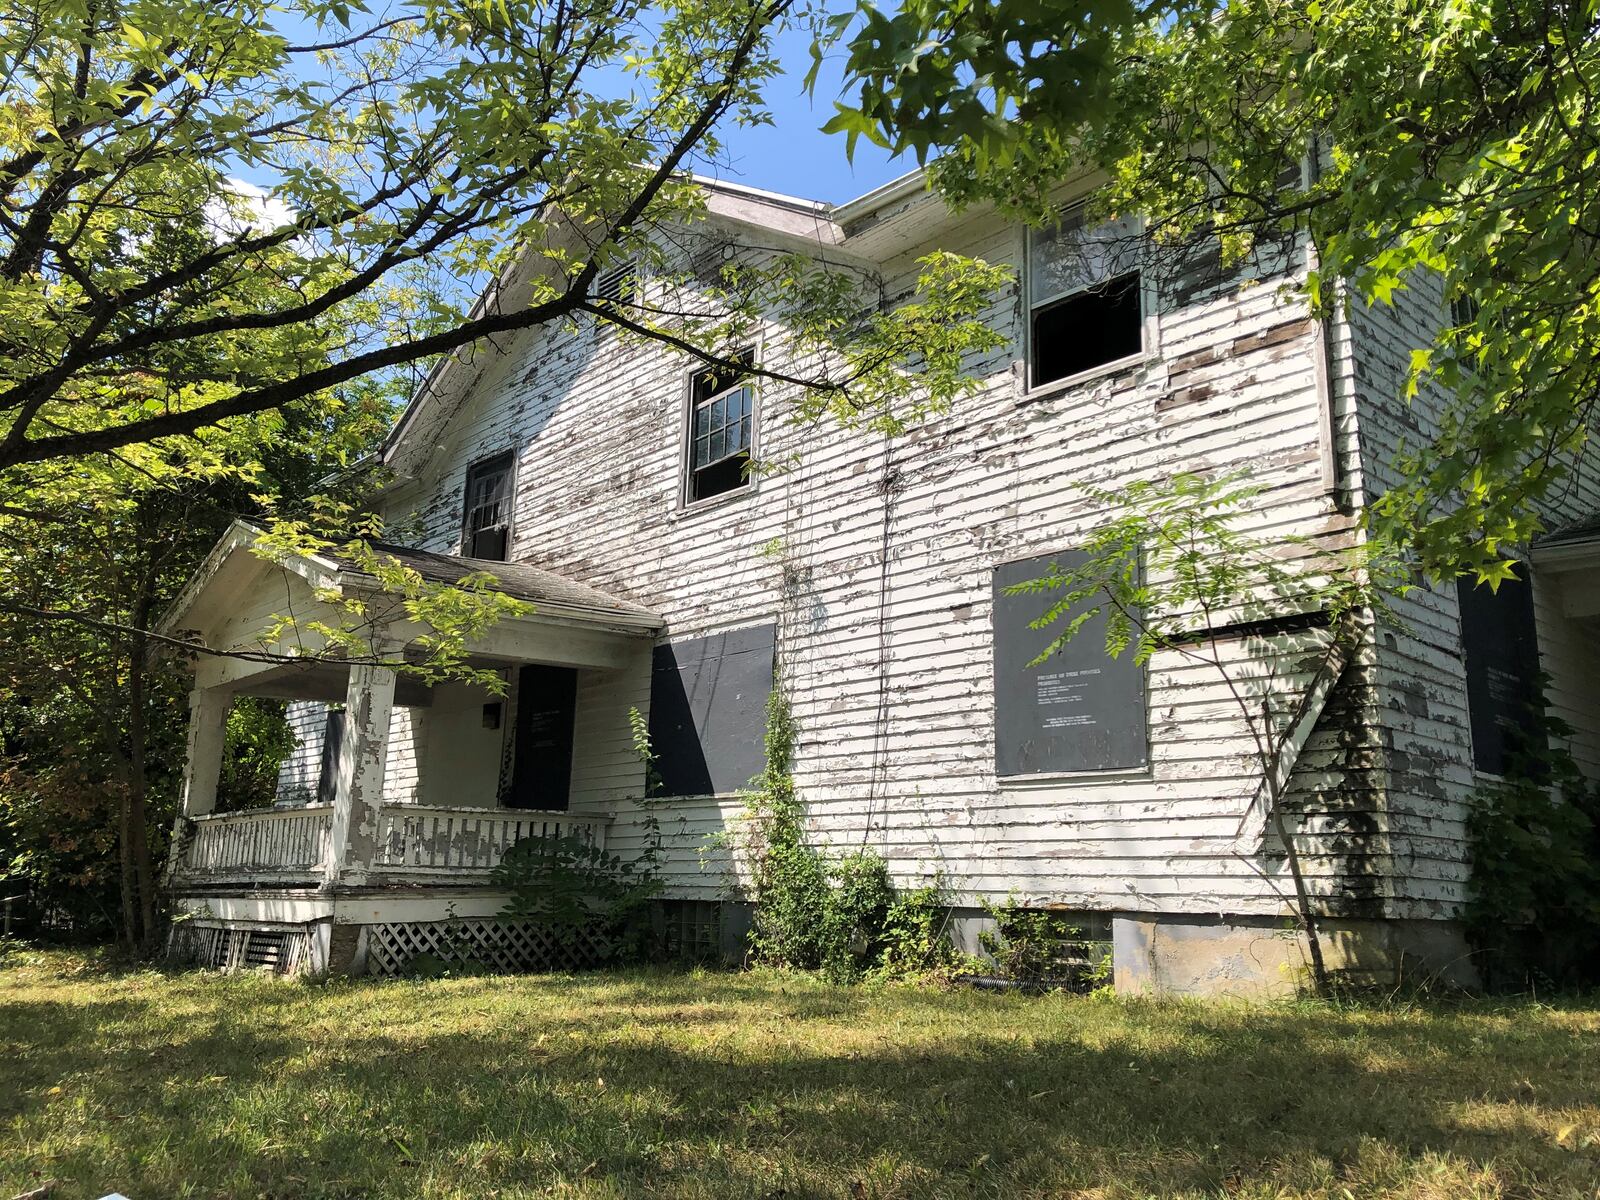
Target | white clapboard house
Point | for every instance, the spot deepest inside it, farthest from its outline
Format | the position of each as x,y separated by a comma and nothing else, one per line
604,478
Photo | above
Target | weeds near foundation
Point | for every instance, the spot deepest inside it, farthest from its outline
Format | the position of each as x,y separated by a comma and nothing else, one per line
1534,907
838,914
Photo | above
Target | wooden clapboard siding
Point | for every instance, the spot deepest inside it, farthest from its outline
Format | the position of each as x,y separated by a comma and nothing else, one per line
875,557
1422,712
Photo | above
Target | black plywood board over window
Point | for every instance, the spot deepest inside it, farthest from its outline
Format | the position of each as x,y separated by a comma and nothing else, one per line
708,700
1080,709
1501,654
541,774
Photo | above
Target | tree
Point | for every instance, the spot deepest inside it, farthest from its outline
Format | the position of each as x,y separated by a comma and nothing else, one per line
93,707
413,159
1459,138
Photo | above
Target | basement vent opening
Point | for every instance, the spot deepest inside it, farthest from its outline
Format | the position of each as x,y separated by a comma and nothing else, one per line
280,951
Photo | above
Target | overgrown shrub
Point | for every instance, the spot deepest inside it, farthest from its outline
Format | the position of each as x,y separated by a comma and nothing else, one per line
578,891
814,911
582,893
1534,907
1039,947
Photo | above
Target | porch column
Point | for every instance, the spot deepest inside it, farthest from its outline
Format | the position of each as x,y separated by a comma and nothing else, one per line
358,784
202,764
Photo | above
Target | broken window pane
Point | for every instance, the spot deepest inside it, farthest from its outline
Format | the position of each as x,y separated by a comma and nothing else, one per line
1089,329
486,523
1084,296
720,431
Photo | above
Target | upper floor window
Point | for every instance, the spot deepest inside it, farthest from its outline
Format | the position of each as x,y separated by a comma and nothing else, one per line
486,524
1085,297
721,427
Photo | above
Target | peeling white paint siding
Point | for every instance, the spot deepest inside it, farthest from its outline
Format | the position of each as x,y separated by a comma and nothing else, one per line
882,589
297,777
1420,676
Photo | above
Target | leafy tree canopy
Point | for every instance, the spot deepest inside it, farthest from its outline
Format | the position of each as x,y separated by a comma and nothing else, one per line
412,157
1401,136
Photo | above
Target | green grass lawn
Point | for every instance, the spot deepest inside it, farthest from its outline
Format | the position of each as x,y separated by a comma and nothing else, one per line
709,1085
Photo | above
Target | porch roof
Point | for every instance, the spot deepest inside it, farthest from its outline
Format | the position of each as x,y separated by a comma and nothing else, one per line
520,580
1570,556
1584,532
235,597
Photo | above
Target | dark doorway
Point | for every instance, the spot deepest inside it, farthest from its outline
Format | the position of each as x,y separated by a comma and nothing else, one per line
547,702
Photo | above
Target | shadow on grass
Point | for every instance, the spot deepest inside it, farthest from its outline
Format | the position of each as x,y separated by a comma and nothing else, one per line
707,1085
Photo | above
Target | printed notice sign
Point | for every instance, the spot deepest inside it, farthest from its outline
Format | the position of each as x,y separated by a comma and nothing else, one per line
1080,709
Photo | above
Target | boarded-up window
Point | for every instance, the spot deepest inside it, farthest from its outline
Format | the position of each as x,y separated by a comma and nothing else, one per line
1501,654
1080,709
1085,297
332,743
708,699
547,703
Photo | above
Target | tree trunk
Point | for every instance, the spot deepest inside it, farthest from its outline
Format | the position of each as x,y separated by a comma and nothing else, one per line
139,872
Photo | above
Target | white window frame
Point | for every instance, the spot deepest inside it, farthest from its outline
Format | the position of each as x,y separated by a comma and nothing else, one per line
1149,324
686,501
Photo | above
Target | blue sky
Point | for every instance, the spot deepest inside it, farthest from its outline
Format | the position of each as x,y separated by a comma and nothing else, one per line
793,155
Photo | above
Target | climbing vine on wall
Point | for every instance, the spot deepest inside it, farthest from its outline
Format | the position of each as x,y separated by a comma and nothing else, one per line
840,914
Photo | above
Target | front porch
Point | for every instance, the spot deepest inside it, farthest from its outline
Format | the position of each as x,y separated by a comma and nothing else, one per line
425,787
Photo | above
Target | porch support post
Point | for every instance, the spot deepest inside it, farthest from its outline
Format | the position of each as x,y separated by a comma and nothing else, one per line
202,764
358,785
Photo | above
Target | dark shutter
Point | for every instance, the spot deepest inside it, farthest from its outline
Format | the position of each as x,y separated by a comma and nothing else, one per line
708,702
1079,710
332,742
1501,654
547,701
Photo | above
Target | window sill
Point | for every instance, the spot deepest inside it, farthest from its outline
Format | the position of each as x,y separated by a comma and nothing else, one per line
1056,779
1131,365
686,510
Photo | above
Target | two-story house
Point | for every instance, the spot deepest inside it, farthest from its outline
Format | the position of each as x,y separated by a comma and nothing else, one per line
607,479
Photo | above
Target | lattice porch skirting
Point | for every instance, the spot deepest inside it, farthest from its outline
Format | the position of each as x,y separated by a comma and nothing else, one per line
502,947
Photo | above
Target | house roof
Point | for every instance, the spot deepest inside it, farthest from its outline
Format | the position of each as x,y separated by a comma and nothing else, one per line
1585,529
519,580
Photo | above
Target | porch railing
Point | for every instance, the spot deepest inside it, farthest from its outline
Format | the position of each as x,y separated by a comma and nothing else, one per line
430,839
278,840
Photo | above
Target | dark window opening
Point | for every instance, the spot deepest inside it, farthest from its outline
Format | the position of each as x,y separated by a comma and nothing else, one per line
721,423
1099,325
486,524
1500,651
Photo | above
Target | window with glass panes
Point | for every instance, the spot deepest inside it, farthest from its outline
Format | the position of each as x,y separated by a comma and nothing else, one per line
721,424
1084,296
486,526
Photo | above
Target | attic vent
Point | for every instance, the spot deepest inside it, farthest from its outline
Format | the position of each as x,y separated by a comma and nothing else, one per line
616,286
